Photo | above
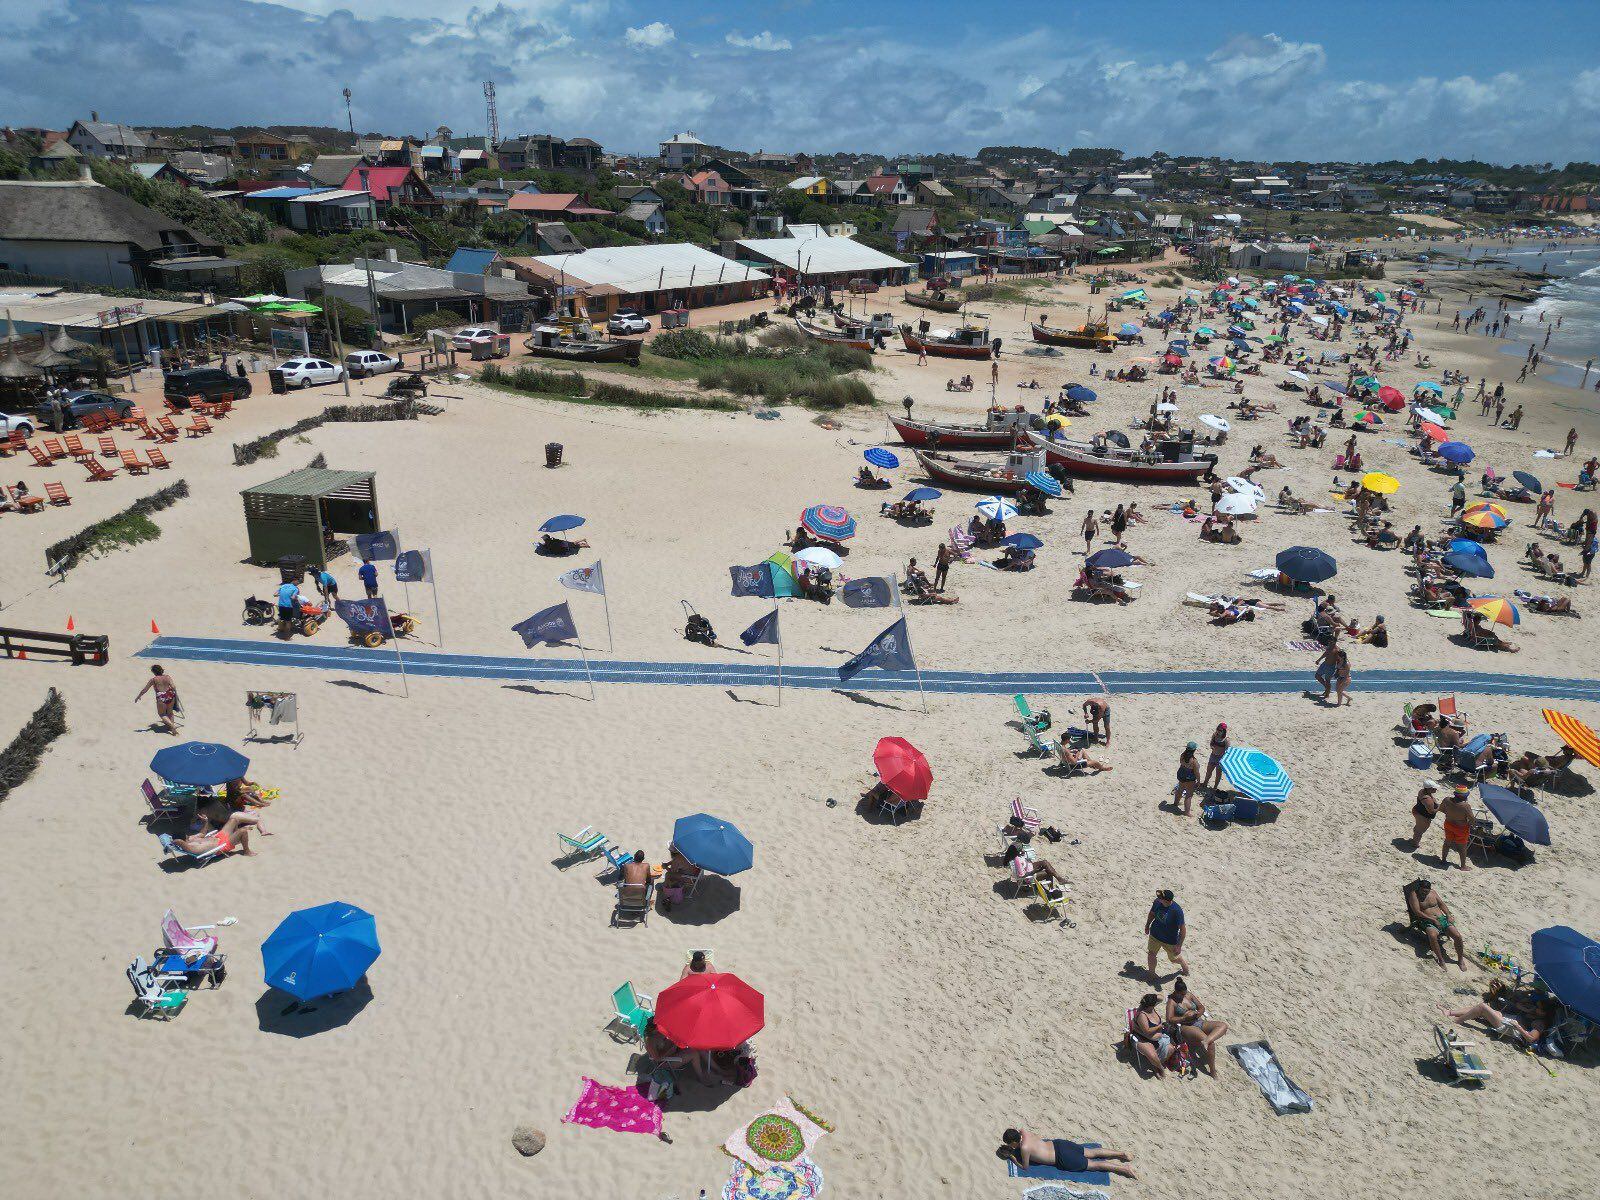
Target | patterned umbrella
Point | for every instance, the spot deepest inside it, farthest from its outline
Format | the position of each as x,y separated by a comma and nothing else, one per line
1496,609
1256,774
1493,506
996,509
829,521
1484,518
1575,734
1041,482
879,457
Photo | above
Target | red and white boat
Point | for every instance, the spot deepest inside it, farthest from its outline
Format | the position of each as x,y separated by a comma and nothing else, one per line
970,341
1005,477
857,338
1001,431
1172,461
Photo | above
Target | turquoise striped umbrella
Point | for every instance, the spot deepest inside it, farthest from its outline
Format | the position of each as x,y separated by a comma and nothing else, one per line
1256,774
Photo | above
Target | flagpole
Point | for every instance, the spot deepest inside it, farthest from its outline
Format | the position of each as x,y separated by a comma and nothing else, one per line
922,690
779,625
610,645
586,670
438,625
400,658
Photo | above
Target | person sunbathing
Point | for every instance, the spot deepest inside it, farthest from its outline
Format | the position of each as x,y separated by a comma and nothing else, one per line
1187,1015
1531,767
1548,604
1376,634
233,835
1076,760
866,479
1097,583
1482,631
1151,1039
559,547
1262,461
1028,1149
920,591
1218,527
1013,559
1532,1019
1429,913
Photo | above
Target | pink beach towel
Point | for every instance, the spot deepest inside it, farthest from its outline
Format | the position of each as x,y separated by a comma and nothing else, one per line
621,1108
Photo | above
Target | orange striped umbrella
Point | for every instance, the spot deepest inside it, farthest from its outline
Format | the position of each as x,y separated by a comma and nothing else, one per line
1499,510
1496,609
1575,734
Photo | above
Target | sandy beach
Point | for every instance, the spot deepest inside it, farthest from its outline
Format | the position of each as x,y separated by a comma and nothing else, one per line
909,999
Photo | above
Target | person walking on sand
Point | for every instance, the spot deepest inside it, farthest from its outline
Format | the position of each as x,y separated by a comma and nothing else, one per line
1341,677
1188,777
1219,746
1458,497
1165,930
1090,531
1572,443
166,698
369,578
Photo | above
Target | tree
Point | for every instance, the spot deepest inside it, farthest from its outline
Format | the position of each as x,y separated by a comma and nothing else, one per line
264,269
443,319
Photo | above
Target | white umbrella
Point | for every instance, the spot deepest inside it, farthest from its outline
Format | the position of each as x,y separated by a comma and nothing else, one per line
1167,407
1245,487
1237,504
1300,375
1319,320
996,509
1215,422
1427,414
820,556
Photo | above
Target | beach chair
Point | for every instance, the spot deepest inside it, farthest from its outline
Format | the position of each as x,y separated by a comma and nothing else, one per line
75,447
57,494
157,458
631,1011
108,447
961,544
1033,727
1053,904
52,447
29,504
95,423
1027,817
891,802
134,421
41,457
97,473
198,426
169,431
9,444
155,434
633,903
1459,1059
133,464
221,408
157,994
164,805
616,858
171,849
190,941
585,845
1180,1060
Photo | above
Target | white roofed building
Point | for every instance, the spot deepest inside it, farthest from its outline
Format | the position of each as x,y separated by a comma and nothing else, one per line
645,279
828,259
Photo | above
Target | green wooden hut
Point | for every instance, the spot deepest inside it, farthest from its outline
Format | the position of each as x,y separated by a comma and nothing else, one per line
299,513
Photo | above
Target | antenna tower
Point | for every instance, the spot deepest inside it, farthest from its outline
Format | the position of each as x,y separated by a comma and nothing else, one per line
494,112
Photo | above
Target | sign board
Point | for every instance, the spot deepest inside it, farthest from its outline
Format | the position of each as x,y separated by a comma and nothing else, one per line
126,312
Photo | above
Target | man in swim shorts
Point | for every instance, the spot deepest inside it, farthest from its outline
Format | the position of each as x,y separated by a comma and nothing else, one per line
1458,818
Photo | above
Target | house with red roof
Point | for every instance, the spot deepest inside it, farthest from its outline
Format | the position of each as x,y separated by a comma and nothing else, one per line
888,189
389,186
709,187
555,206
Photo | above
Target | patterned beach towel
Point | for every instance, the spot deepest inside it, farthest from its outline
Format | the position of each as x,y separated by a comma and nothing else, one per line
777,1137
800,1180
1296,645
602,1106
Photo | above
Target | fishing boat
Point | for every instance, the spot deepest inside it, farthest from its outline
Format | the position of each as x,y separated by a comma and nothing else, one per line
856,337
1006,477
1172,461
970,341
937,301
875,324
1084,337
1000,431
575,340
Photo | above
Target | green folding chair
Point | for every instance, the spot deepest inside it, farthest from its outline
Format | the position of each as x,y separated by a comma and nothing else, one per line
631,1010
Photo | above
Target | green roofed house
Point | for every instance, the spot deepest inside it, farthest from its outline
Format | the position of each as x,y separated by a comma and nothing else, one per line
298,513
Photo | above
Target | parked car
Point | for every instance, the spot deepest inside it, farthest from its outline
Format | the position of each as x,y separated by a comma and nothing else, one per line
77,405
13,423
627,321
362,363
304,372
464,339
209,383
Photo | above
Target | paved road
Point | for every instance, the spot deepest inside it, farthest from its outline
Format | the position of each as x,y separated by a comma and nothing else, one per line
758,673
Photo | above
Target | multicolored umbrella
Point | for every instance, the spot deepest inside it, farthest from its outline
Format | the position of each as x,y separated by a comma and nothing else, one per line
1575,734
1383,485
903,768
829,521
710,1011
1256,774
879,457
1368,381
1367,417
1496,609
1493,506
1484,519
1222,363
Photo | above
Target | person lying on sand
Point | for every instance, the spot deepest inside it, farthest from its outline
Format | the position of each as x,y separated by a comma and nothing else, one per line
1532,1019
1291,503
1027,1149
1186,1015
1548,604
561,546
1432,915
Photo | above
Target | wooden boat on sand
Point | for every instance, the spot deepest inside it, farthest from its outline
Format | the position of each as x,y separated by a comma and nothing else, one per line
1084,337
1172,461
970,341
1001,430
577,342
1006,476
936,301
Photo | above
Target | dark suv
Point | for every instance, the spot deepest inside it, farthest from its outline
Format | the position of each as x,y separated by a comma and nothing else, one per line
209,383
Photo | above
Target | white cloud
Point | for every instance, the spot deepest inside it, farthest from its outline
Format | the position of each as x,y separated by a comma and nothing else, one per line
652,36
761,41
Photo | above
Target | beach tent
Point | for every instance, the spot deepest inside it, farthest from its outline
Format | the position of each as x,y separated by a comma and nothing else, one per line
292,515
783,575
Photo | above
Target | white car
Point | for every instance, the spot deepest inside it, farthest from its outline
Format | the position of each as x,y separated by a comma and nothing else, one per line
362,363
303,372
16,424
625,321
465,339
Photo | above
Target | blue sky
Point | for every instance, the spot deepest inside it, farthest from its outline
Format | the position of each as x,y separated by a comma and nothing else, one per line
1338,79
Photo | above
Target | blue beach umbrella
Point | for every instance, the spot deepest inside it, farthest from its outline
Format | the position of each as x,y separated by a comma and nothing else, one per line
1456,452
1306,564
1024,541
1041,482
1515,813
1531,482
712,844
1109,559
1256,774
920,494
1080,393
1469,564
879,457
1128,329
829,521
1468,546
200,764
321,950
1428,385
996,509
562,523
1337,387
1569,964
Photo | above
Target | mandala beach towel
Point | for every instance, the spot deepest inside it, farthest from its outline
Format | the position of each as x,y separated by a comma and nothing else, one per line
777,1137
602,1106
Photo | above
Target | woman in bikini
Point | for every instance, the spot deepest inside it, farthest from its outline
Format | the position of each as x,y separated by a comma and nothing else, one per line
234,835
1423,811
166,698
1188,777
1186,1012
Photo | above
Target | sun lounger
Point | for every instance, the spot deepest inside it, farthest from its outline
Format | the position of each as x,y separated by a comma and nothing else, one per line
961,544
75,447
633,903
133,463
1459,1059
1056,1174
155,993
171,849
585,845
1027,817
1033,727
631,1010
97,473
158,458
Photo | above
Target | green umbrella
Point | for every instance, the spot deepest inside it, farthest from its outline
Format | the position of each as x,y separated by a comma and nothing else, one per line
1206,331
1276,338
296,306
1379,296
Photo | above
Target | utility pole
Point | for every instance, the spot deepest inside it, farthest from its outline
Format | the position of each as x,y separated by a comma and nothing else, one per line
349,118
494,113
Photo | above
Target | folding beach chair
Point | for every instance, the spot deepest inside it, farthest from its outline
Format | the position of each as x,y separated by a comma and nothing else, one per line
189,941
1180,1059
1054,903
616,858
631,1011
13,443
1033,727
57,494
41,457
76,448
96,423
1459,1059
198,426
108,447
134,421
168,429
633,903
133,464
52,447
163,805
171,849
585,845
156,993
961,544
97,473
158,458
1027,817
28,504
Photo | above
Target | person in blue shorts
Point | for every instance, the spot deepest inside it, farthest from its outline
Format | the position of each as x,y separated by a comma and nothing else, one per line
288,607
1029,1150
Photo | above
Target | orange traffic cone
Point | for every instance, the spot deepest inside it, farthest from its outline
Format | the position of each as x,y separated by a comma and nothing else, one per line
70,625
22,654
154,628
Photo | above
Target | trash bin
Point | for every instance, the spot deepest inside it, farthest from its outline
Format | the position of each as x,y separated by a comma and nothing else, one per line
292,568
482,351
275,379
552,454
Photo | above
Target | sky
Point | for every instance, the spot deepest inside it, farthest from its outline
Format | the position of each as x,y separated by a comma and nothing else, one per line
1513,81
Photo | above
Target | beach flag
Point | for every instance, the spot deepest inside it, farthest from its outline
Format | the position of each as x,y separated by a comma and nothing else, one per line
765,630
752,581
585,579
414,566
381,545
889,651
365,616
873,591
547,627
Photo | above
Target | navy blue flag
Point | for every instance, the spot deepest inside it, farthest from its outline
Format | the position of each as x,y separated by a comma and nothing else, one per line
370,547
871,592
889,651
414,566
547,626
752,581
364,616
764,630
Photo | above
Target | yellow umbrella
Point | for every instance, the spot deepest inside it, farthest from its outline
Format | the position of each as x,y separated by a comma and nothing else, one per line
1575,734
1057,421
1496,609
1383,485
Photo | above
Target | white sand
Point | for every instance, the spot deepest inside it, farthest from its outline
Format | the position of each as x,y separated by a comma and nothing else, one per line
908,1000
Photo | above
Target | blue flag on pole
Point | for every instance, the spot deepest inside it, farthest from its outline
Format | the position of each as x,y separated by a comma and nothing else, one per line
365,616
414,566
547,626
371,547
889,651
870,592
765,629
752,581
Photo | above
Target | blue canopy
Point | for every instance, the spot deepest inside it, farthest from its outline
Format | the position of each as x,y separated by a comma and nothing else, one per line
923,493
1515,813
1109,559
560,524
1469,564
879,457
1306,564
1468,546
1456,452
1337,387
1041,482
712,844
319,951
1256,774
1080,393
1024,541
1127,329
200,764
1569,964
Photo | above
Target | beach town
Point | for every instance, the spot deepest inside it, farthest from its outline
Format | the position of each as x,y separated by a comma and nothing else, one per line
532,670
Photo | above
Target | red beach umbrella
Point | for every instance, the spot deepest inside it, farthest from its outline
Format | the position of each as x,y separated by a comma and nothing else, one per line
710,1011
1392,399
903,768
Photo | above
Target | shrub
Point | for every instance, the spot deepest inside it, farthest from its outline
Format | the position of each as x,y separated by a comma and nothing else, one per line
120,530
17,761
443,319
684,344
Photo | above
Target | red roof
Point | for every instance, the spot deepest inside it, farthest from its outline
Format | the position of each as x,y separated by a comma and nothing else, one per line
882,183
555,202
380,180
